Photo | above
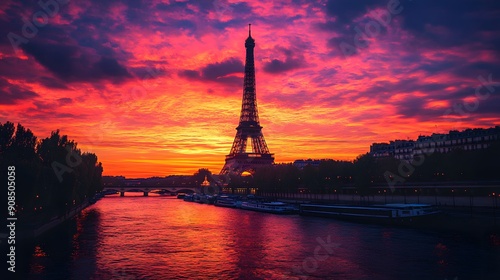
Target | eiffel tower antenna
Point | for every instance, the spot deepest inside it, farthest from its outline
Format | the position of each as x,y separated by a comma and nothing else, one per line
249,131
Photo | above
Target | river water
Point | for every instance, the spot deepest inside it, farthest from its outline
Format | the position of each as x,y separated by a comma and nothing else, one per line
167,238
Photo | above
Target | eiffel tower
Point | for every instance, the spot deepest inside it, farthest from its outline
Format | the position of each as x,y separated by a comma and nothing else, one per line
249,131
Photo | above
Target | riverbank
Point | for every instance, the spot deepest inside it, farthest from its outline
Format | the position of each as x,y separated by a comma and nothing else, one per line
472,220
389,197
35,230
38,226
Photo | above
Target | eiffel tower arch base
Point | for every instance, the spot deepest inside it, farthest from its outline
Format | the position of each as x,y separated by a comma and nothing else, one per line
237,164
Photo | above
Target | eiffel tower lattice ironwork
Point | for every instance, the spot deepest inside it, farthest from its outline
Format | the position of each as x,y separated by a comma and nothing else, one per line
249,131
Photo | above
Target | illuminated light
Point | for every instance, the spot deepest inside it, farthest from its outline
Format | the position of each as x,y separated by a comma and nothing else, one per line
246,173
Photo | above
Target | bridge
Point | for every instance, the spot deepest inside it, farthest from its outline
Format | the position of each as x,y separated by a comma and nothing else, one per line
146,189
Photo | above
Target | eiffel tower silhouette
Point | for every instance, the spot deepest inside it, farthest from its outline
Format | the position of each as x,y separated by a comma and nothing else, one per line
249,131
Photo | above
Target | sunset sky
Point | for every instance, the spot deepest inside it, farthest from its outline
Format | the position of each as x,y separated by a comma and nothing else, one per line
154,88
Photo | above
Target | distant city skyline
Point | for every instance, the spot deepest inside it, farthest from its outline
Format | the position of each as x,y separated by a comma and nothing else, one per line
154,89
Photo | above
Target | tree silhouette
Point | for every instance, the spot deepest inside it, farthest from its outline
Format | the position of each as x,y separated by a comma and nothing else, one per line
199,176
41,189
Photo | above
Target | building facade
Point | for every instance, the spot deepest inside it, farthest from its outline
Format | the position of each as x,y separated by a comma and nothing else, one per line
469,139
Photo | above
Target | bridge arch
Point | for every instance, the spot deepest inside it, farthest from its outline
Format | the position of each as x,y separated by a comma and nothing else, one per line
185,191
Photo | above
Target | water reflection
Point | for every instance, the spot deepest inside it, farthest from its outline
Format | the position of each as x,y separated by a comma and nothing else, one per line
165,238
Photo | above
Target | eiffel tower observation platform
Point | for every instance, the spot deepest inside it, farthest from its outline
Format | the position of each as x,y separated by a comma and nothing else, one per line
250,156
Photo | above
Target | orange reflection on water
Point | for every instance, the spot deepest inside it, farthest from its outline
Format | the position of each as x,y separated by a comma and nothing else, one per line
39,252
441,252
135,237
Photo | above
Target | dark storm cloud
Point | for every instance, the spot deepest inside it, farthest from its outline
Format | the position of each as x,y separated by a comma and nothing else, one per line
413,107
70,63
185,24
434,24
72,52
51,106
278,66
326,77
20,23
64,101
439,66
62,60
463,102
149,72
460,67
293,60
190,74
217,72
52,83
13,94
109,68
450,23
472,70
341,16
383,90
345,11
238,14
490,106
17,68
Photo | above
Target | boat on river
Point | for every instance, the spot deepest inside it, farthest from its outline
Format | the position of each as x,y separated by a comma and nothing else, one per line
227,201
181,195
395,213
269,207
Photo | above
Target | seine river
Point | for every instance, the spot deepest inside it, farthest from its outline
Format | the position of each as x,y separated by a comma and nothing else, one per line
167,238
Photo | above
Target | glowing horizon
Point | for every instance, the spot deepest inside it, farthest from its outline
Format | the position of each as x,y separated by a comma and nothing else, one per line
155,89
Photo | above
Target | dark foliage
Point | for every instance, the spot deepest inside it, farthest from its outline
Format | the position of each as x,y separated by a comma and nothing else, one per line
51,175
365,172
